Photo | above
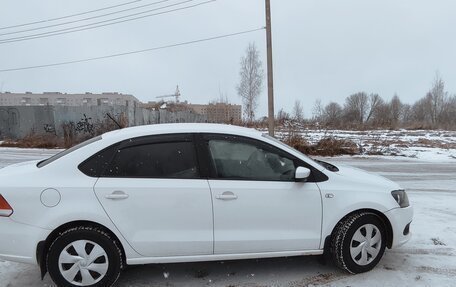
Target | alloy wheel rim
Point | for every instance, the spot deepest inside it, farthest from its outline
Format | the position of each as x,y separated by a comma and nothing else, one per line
365,244
83,263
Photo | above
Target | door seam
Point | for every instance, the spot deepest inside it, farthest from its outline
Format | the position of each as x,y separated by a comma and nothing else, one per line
213,217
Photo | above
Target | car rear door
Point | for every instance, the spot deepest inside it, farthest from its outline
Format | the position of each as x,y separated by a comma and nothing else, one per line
154,194
258,206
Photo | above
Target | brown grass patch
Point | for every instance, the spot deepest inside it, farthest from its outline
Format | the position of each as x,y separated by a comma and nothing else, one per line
34,141
325,147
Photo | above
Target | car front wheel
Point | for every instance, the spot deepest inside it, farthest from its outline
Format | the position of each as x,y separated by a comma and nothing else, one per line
84,256
358,242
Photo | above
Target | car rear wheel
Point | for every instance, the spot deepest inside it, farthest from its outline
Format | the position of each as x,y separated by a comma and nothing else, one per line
84,256
358,242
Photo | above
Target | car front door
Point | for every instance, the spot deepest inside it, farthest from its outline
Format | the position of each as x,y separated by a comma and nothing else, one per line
154,194
258,205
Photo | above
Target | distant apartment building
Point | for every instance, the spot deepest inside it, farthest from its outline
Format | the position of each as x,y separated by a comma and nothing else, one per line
64,99
219,112
214,112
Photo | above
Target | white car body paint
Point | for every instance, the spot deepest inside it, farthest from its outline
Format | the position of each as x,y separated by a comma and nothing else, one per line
172,217
266,220
258,222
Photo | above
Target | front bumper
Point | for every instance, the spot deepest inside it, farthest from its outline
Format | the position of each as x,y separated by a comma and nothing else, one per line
18,242
400,219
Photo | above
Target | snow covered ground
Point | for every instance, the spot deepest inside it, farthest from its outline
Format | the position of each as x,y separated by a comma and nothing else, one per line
429,259
429,145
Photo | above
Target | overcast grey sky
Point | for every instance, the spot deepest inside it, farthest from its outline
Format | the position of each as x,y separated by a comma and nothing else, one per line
323,49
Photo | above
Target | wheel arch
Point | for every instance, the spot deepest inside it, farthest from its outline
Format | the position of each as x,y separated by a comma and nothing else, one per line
380,215
43,246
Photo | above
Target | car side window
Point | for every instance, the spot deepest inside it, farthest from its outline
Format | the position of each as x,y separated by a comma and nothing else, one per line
155,160
99,162
248,161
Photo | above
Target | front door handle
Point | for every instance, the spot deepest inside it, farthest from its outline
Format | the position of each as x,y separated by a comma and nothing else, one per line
117,195
227,195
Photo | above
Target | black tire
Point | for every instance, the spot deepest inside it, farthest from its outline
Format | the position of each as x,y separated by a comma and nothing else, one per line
343,240
94,235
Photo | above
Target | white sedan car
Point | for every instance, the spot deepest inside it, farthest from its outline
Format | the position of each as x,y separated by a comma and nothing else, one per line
191,192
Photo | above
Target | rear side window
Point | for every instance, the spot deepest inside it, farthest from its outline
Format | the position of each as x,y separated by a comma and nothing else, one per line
155,160
98,163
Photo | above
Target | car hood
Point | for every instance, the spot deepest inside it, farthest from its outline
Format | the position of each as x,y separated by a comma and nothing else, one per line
359,176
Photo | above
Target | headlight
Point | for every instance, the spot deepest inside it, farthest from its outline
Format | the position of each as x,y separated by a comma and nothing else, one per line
401,197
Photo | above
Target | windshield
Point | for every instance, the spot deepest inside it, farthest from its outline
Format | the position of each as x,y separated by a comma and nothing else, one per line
67,151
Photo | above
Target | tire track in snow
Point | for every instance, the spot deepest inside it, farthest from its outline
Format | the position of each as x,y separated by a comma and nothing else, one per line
439,271
435,251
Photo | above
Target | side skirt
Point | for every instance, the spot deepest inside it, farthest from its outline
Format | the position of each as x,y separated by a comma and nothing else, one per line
219,257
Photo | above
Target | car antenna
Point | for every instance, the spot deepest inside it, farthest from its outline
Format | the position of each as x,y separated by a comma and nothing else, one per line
114,120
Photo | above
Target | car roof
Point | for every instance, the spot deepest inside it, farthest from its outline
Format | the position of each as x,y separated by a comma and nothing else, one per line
145,130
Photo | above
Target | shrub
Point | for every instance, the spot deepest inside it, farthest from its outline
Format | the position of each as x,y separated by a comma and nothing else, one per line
332,147
325,147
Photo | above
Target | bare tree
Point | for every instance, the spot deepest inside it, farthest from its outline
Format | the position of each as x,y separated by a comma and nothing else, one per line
317,111
432,110
356,107
381,116
298,113
251,83
283,116
437,98
406,114
451,113
419,112
333,114
375,101
396,110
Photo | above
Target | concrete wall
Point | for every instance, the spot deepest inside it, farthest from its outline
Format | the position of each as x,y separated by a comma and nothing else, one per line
19,121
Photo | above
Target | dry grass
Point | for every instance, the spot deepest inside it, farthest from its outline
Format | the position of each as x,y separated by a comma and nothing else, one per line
34,141
325,147
331,147
299,143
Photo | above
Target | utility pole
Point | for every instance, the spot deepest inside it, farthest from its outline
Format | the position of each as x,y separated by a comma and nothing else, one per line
270,69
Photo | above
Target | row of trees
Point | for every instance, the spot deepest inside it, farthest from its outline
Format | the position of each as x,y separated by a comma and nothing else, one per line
437,109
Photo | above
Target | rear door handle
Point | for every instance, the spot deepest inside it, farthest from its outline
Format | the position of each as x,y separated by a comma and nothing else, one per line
227,195
117,195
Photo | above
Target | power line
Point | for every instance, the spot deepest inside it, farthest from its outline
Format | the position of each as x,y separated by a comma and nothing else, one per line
133,52
94,25
68,16
86,19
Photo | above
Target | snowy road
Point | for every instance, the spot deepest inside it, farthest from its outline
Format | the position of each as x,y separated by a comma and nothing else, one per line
429,259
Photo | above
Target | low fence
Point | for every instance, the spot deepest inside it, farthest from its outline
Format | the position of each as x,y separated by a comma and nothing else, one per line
20,121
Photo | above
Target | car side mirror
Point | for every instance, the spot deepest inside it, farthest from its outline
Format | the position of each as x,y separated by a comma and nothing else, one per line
302,173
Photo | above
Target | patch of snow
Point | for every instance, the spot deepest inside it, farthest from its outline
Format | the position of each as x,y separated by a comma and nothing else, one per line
425,145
